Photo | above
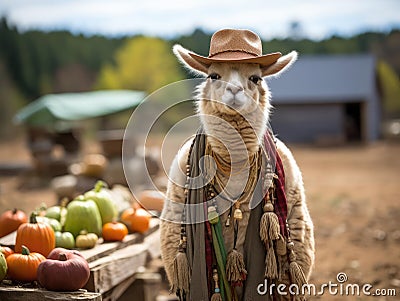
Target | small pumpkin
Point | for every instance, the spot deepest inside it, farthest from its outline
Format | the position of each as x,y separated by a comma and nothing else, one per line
23,266
82,214
86,240
3,267
126,216
103,199
114,231
58,212
36,236
64,240
57,251
63,270
6,251
139,221
10,220
52,222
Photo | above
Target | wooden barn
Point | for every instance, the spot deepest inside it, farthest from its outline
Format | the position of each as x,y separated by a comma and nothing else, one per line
327,99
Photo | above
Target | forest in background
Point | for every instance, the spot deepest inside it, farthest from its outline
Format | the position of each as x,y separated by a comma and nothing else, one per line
35,63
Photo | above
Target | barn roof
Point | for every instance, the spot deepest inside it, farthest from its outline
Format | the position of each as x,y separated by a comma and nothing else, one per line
316,79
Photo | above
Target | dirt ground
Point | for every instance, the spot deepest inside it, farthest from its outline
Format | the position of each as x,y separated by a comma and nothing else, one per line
353,195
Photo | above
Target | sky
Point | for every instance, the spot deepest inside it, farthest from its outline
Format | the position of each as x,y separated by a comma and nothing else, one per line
318,19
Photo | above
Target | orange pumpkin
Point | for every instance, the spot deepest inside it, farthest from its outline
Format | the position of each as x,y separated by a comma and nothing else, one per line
126,216
38,237
6,251
140,221
23,267
10,221
114,231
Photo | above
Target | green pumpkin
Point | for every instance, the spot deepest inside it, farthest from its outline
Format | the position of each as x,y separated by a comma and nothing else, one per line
56,212
3,266
53,223
103,199
82,214
65,240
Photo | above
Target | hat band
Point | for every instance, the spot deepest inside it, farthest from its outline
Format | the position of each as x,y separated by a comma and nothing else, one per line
233,54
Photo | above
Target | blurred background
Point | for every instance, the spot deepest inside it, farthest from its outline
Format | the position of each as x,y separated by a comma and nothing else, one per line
338,108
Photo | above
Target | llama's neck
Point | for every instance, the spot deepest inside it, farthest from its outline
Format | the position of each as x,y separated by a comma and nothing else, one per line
236,136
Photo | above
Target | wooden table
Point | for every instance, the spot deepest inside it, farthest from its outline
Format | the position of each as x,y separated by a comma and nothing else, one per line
113,268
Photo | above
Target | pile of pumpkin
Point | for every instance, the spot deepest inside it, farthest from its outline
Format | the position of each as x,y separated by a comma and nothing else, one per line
62,270
46,244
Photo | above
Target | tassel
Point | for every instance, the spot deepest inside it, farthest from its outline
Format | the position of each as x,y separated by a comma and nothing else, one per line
216,296
235,268
271,266
181,269
270,231
296,272
269,224
298,278
274,228
181,272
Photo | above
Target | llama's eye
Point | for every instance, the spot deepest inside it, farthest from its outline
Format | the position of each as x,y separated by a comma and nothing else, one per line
214,76
255,79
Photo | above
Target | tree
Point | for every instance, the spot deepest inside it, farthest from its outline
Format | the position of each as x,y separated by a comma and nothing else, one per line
143,63
390,87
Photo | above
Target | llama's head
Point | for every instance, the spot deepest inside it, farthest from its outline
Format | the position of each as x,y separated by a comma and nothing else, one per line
233,101
234,71
233,87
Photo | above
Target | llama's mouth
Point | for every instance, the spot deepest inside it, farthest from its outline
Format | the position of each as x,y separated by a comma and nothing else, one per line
234,104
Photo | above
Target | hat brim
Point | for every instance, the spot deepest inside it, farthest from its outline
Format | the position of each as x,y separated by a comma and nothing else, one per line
238,57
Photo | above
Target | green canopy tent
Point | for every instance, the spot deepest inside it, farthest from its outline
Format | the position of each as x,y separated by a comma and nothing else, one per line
51,120
49,109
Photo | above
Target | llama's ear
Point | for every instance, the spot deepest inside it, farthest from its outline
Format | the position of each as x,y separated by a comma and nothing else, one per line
183,55
282,64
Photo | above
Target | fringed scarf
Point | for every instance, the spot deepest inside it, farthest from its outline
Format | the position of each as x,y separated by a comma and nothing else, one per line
200,268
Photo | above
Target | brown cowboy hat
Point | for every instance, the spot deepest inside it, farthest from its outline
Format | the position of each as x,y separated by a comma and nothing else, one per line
230,45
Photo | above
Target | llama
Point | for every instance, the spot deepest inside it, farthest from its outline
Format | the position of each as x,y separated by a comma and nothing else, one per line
233,104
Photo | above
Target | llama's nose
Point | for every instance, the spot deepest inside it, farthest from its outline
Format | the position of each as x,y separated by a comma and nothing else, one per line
234,89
